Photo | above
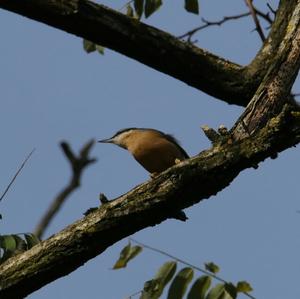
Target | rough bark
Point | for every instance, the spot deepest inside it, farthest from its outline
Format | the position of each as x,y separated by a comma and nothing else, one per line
274,90
147,205
263,130
214,75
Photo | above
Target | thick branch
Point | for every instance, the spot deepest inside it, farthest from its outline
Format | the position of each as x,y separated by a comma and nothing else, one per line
155,48
141,42
261,63
150,203
275,88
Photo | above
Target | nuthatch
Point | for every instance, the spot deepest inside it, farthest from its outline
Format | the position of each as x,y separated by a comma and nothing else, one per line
153,149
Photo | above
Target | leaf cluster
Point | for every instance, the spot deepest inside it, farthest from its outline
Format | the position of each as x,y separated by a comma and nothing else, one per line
148,7
11,245
201,288
180,281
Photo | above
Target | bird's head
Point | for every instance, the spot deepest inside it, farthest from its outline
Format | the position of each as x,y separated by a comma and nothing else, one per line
123,137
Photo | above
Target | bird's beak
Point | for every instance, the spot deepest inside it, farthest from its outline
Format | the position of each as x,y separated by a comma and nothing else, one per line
108,140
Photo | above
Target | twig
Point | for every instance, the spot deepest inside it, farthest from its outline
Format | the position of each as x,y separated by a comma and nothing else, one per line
125,5
17,173
207,23
78,164
185,263
225,19
272,10
265,16
255,19
134,294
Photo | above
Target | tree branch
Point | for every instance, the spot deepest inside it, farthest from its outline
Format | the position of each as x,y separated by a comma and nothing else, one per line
255,19
16,174
263,59
78,164
207,24
275,88
216,76
178,187
225,19
147,205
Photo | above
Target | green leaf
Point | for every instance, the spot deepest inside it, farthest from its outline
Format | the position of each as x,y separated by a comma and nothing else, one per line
89,46
211,267
231,289
199,288
139,7
100,49
129,11
134,251
151,6
13,244
224,295
220,291
180,283
243,286
216,291
151,289
155,287
8,242
192,6
165,274
31,240
121,262
126,255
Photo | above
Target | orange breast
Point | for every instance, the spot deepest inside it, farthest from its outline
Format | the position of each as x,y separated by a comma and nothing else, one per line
156,156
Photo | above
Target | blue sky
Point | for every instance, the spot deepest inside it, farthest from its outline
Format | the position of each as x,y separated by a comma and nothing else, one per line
51,90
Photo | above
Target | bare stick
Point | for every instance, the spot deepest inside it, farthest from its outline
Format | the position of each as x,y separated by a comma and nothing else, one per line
273,11
189,34
17,173
78,164
207,23
255,19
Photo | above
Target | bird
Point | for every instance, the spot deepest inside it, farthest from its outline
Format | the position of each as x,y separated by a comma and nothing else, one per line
153,149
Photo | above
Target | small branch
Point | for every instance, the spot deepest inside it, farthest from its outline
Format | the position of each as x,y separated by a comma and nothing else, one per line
207,23
78,164
225,19
211,134
272,10
256,21
177,259
17,173
217,138
184,262
103,199
265,16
